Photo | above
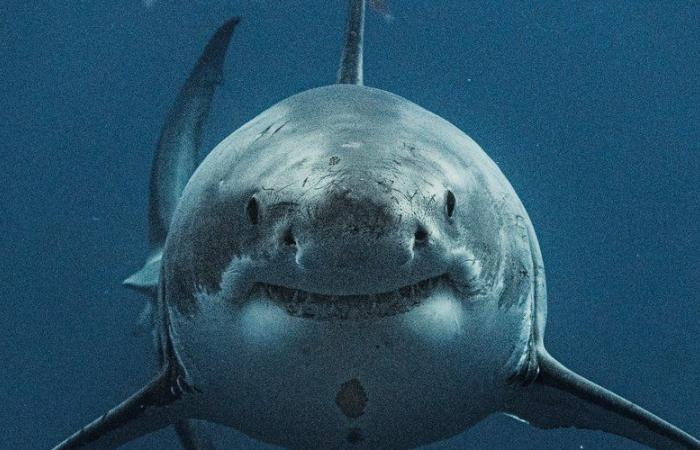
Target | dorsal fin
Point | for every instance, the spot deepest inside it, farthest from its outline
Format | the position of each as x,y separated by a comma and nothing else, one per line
350,71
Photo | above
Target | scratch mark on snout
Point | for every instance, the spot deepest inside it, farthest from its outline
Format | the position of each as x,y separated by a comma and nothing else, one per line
279,127
270,130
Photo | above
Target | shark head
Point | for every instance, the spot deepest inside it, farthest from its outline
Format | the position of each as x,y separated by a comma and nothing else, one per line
345,200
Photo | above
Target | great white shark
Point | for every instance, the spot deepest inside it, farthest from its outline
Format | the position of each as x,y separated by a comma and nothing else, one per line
346,270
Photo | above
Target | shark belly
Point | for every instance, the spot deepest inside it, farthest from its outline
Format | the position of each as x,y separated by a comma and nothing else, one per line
389,382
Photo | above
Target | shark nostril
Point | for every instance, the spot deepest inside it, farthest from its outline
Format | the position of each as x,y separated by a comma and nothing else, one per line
253,210
289,239
420,236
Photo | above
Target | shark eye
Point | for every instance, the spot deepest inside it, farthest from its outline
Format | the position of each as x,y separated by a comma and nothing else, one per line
450,203
253,210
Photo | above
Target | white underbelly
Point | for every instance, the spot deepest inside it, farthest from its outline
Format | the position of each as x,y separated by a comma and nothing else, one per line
392,382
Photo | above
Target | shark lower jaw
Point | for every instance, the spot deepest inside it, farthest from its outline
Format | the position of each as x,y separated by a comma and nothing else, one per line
315,306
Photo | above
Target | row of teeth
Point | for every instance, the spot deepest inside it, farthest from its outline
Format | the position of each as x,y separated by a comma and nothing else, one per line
319,306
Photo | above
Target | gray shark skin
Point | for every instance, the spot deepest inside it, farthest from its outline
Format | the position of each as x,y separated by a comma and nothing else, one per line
350,70
350,270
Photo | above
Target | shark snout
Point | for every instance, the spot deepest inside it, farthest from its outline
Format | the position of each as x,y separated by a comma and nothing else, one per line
352,233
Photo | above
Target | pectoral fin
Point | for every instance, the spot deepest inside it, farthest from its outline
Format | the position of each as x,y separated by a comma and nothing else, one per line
560,398
159,404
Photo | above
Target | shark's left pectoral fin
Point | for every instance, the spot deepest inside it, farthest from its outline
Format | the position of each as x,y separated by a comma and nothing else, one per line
560,398
160,403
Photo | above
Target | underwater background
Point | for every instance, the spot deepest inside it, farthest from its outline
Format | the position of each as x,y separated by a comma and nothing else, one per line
591,109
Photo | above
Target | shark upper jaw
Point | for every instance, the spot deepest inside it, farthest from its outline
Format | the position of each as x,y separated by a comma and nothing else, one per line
311,305
249,279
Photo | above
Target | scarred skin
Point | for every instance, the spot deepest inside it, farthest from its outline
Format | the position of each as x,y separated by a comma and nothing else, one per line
351,193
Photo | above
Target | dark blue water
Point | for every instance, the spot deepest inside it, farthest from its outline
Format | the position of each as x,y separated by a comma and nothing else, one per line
591,111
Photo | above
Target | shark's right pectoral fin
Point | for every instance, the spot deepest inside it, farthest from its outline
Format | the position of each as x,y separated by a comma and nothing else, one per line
560,398
160,403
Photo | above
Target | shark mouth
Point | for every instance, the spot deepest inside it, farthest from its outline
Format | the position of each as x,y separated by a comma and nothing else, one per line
309,305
